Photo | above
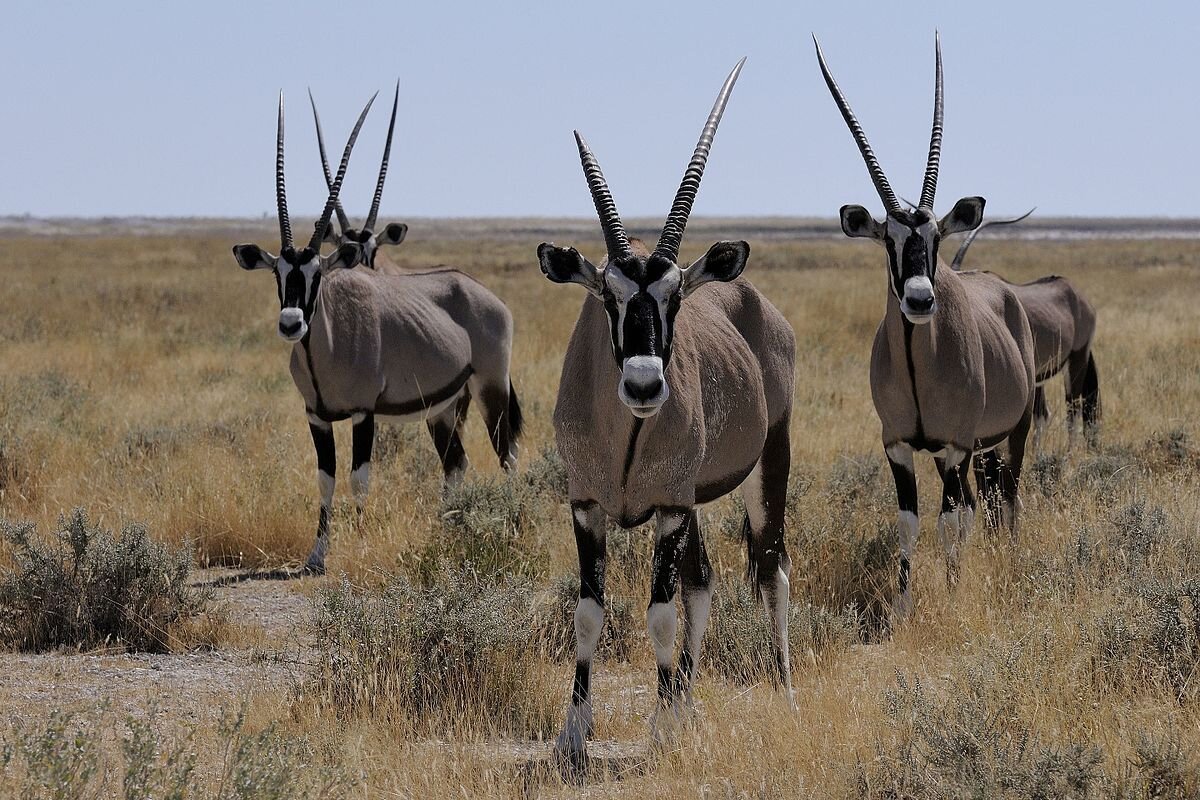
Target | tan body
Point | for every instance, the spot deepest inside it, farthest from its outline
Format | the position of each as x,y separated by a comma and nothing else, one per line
973,366
731,378
400,344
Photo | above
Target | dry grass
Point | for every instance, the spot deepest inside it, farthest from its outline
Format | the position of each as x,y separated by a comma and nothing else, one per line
143,380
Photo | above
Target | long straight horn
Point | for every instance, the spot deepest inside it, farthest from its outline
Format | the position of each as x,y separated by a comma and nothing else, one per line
387,152
615,238
860,138
929,187
319,231
681,209
343,220
285,224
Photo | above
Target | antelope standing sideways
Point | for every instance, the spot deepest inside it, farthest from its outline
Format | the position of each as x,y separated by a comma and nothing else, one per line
952,363
366,237
676,388
411,346
1063,324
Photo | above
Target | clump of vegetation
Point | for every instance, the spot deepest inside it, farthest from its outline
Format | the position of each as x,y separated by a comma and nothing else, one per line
857,480
1171,449
1046,473
484,527
738,645
65,757
547,475
972,742
1105,472
556,623
84,587
451,654
1150,639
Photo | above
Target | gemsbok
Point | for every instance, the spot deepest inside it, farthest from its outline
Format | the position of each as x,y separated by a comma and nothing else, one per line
393,233
676,389
952,364
413,347
1063,324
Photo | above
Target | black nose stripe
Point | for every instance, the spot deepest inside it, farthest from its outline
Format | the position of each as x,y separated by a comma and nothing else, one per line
643,334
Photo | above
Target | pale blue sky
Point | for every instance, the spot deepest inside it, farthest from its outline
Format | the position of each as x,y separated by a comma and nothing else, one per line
168,109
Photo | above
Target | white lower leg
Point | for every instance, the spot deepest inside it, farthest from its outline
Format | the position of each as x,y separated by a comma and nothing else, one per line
662,622
697,603
360,483
589,623
775,600
316,557
952,527
908,526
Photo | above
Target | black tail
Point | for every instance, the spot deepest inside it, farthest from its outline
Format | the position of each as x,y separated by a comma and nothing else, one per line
1091,394
516,422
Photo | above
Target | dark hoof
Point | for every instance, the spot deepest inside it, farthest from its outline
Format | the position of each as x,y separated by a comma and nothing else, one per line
314,569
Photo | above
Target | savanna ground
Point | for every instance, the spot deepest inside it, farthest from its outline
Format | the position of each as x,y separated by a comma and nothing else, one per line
143,382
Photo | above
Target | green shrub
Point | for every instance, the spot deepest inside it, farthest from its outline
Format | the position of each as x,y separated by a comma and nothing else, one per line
68,757
85,587
484,527
455,652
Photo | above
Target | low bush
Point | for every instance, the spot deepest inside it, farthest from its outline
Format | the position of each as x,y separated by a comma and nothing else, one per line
84,587
455,653
484,528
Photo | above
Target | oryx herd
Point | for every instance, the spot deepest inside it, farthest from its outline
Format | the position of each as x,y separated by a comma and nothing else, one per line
677,382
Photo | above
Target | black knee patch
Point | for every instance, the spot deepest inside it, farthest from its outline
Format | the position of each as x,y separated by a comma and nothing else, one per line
364,441
326,451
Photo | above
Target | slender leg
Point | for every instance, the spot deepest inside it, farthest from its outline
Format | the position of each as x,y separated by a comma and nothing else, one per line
445,430
1010,474
502,415
590,530
765,496
1041,416
360,475
1083,394
900,458
322,436
662,621
958,509
696,577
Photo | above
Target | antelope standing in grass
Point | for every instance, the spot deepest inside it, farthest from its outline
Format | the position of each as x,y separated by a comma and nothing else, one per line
366,237
1063,324
412,347
952,365
676,389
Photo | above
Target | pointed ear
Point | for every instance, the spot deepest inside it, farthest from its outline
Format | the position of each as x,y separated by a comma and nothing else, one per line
566,265
331,235
345,257
251,256
965,216
723,262
857,223
393,234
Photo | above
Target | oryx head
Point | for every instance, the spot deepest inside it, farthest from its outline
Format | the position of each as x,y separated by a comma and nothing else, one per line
642,292
910,238
366,237
298,272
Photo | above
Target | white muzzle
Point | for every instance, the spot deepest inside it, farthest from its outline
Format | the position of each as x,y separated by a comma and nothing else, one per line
643,387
